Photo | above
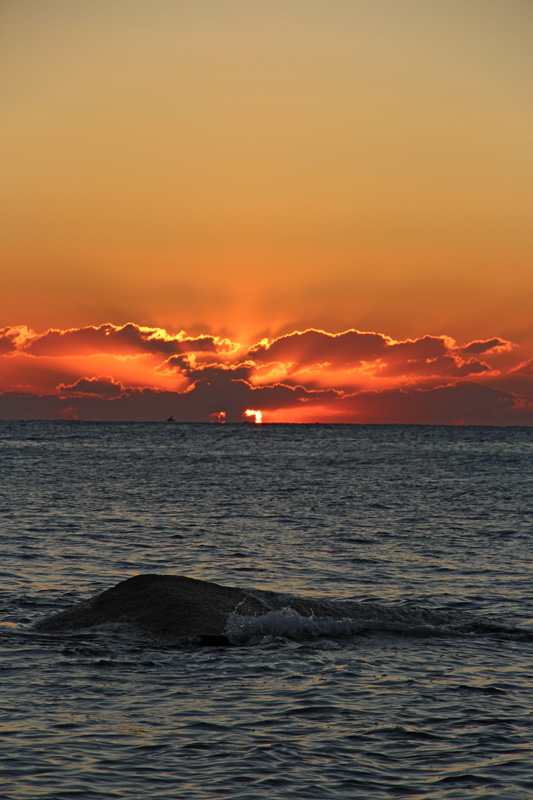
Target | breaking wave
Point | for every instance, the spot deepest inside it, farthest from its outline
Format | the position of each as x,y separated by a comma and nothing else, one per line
300,619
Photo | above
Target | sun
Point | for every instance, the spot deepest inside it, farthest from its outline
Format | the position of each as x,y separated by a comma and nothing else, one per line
255,417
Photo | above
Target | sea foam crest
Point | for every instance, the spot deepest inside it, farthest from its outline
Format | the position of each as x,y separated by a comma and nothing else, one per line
298,619
287,623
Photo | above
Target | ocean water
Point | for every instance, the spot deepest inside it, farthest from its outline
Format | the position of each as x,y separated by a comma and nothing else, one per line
395,655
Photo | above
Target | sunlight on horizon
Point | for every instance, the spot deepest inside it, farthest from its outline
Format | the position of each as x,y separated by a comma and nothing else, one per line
255,417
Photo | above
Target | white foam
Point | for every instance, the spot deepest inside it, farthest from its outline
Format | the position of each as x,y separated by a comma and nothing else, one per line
339,620
288,624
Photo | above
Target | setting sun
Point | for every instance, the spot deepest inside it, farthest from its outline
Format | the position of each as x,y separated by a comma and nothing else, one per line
255,417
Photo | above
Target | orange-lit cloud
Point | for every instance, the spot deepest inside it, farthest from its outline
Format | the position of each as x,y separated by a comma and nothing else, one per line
488,346
133,372
125,340
370,356
103,387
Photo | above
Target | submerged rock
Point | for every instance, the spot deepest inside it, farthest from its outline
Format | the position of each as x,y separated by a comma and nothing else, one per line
174,610
169,607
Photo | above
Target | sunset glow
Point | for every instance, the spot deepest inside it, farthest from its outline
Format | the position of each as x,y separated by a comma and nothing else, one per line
322,210
128,372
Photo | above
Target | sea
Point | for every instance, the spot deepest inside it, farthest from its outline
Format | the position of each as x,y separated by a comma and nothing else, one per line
395,655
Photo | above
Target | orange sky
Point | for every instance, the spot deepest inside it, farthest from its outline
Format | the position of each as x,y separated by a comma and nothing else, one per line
244,171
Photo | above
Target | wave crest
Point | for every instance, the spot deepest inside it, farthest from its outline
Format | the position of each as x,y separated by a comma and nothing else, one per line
300,619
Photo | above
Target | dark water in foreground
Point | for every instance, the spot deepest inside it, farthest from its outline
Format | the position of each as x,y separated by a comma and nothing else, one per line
426,531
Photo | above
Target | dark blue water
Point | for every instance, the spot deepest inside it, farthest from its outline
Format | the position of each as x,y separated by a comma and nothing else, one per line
426,530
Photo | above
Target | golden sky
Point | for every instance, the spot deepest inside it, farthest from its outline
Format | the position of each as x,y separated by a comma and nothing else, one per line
247,169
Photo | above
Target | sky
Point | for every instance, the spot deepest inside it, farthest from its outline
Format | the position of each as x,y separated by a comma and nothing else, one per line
316,209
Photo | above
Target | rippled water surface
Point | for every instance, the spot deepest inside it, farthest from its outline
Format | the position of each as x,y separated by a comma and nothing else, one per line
414,521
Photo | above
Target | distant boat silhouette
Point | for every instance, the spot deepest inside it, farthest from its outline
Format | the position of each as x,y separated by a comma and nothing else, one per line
171,419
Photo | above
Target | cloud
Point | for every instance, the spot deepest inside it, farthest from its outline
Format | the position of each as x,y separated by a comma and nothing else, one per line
7,341
424,348
465,403
347,350
526,368
458,404
104,387
311,347
443,366
487,346
188,366
215,389
125,340
207,397
309,375
378,355
12,338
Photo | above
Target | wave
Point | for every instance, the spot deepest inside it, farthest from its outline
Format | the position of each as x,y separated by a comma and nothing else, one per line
296,618
177,610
